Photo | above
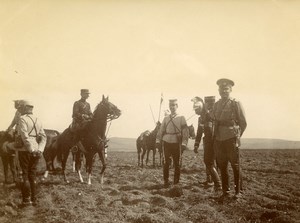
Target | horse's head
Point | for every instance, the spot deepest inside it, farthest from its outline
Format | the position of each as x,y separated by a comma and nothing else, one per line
192,134
108,110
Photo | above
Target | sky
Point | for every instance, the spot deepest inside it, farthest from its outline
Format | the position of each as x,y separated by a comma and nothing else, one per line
135,51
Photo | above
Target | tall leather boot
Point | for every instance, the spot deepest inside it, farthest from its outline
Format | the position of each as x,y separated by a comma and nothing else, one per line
215,178
166,174
25,190
237,181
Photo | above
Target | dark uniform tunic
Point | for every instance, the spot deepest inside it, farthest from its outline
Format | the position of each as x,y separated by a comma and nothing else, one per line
230,123
205,126
81,114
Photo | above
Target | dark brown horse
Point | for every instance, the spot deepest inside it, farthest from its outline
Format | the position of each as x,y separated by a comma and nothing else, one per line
8,157
92,137
50,151
145,143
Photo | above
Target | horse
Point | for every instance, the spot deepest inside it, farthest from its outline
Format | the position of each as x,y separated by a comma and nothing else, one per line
50,151
9,157
92,138
145,143
140,146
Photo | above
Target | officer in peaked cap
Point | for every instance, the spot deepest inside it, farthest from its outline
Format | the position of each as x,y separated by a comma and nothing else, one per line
229,125
81,108
84,91
173,134
225,87
224,82
82,114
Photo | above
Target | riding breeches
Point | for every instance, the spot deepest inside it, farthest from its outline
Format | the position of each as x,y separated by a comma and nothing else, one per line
227,151
172,150
28,163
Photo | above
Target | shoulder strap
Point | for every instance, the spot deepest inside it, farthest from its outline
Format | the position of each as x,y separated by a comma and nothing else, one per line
234,107
34,127
175,127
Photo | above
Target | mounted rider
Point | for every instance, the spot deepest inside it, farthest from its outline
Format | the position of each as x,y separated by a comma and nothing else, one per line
82,115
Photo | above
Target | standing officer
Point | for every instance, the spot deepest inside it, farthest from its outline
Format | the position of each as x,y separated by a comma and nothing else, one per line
33,138
174,135
205,123
230,124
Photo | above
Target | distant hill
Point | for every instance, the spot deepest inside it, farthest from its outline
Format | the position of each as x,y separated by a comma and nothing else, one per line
129,144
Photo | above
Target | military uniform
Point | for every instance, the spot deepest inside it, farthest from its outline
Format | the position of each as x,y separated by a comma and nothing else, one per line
174,134
81,112
230,123
34,138
205,127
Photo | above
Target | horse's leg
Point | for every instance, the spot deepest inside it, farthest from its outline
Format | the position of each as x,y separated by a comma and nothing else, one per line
48,164
77,163
154,152
143,154
89,163
63,164
102,158
160,156
12,165
147,157
74,156
4,158
139,154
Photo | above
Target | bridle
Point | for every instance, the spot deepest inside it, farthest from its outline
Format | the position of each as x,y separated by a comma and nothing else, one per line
109,119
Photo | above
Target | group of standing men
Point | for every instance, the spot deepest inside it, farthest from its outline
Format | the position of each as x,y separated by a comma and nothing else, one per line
222,123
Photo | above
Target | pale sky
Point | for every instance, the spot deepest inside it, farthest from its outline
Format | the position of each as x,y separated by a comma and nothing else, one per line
134,50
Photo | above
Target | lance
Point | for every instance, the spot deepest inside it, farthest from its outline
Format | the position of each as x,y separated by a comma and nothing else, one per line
152,115
161,100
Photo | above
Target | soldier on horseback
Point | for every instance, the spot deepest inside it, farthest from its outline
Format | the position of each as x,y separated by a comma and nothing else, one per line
82,114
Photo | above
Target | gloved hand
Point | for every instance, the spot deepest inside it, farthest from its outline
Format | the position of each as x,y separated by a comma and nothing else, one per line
196,148
84,116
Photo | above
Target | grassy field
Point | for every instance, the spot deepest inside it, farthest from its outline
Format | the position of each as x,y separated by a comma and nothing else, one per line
132,194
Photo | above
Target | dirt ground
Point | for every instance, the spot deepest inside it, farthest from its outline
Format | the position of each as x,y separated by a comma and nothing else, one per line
271,180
